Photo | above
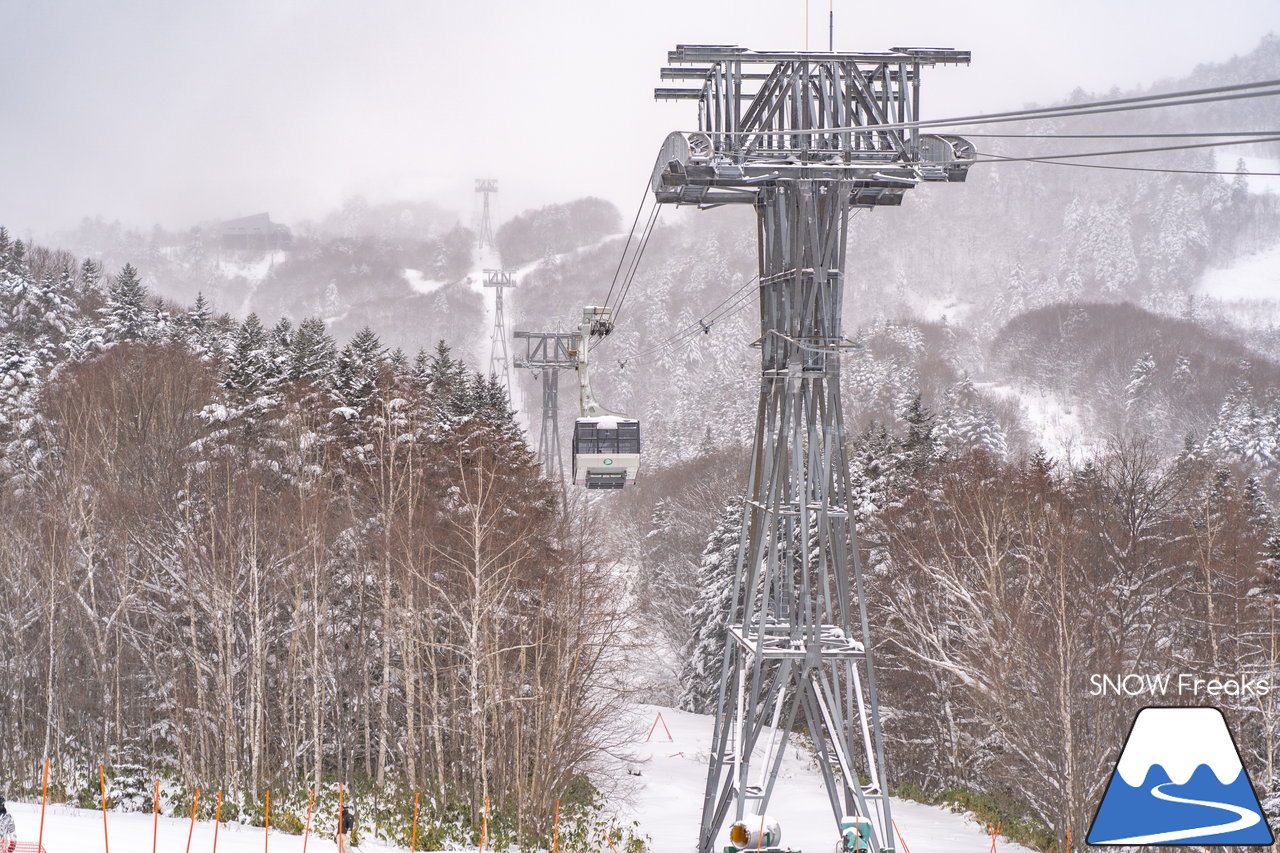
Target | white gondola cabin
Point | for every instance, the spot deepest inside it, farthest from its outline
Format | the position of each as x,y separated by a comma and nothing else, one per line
606,445
606,452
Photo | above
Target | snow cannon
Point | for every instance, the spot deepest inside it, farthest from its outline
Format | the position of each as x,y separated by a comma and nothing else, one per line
755,833
855,835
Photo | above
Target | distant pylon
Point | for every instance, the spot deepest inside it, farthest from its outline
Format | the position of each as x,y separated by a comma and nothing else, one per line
486,186
546,354
499,359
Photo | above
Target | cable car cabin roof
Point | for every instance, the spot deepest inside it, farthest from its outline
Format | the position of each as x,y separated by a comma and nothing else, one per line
608,421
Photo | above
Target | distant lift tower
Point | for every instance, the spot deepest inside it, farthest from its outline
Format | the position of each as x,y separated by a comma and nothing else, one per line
499,361
487,186
803,137
546,354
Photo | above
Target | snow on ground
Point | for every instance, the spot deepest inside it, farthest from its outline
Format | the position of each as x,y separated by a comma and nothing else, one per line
1254,276
70,830
935,307
1225,161
1054,424
419,282
253,271
667,797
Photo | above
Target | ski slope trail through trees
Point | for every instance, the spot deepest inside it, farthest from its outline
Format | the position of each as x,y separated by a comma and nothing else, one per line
664,779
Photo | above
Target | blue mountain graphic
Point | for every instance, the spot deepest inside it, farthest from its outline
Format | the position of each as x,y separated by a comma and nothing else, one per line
1133,812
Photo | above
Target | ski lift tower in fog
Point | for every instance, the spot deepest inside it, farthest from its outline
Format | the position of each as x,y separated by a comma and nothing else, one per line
499,359
546,354
486,186
803,137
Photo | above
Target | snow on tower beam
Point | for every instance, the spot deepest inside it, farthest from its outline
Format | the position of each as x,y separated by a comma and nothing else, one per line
692,53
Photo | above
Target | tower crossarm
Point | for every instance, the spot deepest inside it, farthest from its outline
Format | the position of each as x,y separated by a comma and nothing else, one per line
545,350
819,115
499,278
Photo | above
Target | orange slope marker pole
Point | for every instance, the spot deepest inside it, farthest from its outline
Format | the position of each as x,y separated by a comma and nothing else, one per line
654,728
555,833
413,839
339,817
102,778
306,831
44,798
903,841
609,841
484,824
266,832
195,804
155,821
217,821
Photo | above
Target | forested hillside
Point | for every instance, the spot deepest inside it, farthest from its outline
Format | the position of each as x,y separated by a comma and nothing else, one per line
399,268
1064,450
243,557
254,541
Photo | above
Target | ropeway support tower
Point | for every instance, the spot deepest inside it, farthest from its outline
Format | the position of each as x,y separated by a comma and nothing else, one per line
487,187
499,357
546,354
804,138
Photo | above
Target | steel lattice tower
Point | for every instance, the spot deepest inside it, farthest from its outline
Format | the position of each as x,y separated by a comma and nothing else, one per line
804,137
546,354
499,359
486,186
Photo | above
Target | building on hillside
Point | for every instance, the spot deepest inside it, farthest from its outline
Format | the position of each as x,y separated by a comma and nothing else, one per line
256,233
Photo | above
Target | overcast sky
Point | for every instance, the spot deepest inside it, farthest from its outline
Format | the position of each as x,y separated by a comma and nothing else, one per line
174,112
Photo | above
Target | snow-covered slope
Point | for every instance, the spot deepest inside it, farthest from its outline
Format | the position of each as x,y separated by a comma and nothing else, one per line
1254,276
666,797
69,830
1055,424
665,800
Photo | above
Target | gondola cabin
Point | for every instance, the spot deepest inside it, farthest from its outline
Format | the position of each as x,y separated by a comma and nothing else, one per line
606,452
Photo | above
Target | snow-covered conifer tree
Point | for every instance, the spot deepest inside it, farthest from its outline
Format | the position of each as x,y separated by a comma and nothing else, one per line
249,371
127,315
709,615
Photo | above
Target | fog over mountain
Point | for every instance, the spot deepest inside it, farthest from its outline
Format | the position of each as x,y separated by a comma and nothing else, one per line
153,112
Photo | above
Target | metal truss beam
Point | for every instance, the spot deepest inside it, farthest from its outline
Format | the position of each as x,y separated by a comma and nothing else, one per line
804,143
546,354
499,357
484,239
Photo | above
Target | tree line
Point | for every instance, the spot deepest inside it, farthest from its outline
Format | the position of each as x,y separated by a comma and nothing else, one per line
999,588
245,557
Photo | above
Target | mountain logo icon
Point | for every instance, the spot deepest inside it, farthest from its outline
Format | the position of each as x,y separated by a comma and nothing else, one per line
1179,780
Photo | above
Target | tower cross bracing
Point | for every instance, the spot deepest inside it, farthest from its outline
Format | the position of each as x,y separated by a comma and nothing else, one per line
804,138
499,357
546,354
484,236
